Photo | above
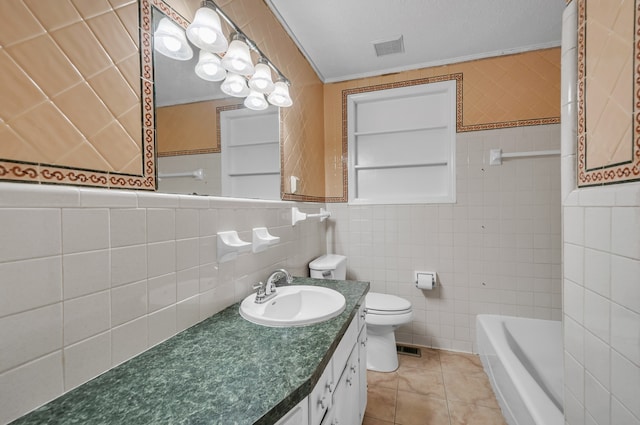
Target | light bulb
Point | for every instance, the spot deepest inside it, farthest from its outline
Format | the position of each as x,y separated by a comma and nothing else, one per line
205,31
169,39
172,44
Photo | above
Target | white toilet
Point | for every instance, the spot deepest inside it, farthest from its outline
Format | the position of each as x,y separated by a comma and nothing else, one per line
385,313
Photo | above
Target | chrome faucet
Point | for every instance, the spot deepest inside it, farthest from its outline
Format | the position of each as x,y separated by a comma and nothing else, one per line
277,276
266,291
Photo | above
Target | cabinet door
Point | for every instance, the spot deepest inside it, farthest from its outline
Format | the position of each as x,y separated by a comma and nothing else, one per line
362,370
299,415
321,398
346,397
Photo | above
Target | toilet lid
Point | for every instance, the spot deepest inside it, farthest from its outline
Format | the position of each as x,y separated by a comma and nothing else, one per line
382,303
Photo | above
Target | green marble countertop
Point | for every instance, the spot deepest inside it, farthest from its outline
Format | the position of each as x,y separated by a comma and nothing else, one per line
224,370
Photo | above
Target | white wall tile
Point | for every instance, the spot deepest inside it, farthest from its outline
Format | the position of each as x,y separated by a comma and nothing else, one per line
128,302
86,360
574,263
597,271
86,316
621,415
625,332
29,335
85,273
128,227
625,382
161,258
29,233
625,274
625,231
574,335
30,284
46,196
84,229
30,385
162,325
597,400
187,253
597,310
188,283
161,225
129,340
574,376
128,264
597,224
597,358
574,301
162,291
187,223
188,313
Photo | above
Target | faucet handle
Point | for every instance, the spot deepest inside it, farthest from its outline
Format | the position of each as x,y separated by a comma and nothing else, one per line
260,287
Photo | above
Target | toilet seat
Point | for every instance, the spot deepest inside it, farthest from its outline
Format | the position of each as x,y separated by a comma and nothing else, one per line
386,304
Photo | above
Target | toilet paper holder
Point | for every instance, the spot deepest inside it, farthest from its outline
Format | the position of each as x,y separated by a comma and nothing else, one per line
425,280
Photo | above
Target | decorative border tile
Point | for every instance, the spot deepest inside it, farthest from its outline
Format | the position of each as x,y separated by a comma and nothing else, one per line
613,173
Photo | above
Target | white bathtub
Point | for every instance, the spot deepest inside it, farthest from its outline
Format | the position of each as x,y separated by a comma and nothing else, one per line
523,358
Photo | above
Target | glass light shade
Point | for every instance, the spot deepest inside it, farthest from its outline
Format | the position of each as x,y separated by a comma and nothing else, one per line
209,67
238,59
280,95
235,85
256,101
206,32
169,39
261,79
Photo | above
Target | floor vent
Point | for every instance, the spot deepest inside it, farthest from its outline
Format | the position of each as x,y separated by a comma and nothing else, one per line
408,351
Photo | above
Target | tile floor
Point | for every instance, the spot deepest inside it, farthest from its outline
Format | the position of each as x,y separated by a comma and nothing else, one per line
439,388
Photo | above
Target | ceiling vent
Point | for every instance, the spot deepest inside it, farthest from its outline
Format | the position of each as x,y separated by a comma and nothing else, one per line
389,47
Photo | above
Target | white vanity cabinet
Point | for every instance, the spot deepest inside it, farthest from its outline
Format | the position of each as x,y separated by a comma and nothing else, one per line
340,395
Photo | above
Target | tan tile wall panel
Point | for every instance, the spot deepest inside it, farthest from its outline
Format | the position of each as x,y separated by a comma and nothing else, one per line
505,91
608,139
70,89
196,128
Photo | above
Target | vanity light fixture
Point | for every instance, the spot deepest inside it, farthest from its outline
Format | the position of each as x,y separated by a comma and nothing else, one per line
261,80
209,67
238,58
169,39
235,85
256,101
280,95
206,31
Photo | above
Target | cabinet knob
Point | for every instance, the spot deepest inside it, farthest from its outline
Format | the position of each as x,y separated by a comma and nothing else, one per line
331,386
353,368
349,381
323,403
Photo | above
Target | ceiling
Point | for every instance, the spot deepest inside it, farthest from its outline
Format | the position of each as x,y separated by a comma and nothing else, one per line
337,36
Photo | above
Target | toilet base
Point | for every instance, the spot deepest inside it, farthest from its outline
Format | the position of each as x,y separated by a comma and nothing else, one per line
382,355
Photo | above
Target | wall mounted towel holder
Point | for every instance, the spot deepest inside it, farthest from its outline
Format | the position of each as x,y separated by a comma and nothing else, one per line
297,215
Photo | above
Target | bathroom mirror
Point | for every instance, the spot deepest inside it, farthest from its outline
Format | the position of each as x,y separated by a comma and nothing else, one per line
207,142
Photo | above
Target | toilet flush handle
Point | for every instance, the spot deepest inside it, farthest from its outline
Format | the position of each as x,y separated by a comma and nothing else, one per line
326,273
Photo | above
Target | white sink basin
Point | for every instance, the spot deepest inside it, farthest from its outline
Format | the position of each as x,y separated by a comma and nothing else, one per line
294,305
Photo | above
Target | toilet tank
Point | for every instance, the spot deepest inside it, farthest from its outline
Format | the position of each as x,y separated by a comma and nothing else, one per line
330,266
